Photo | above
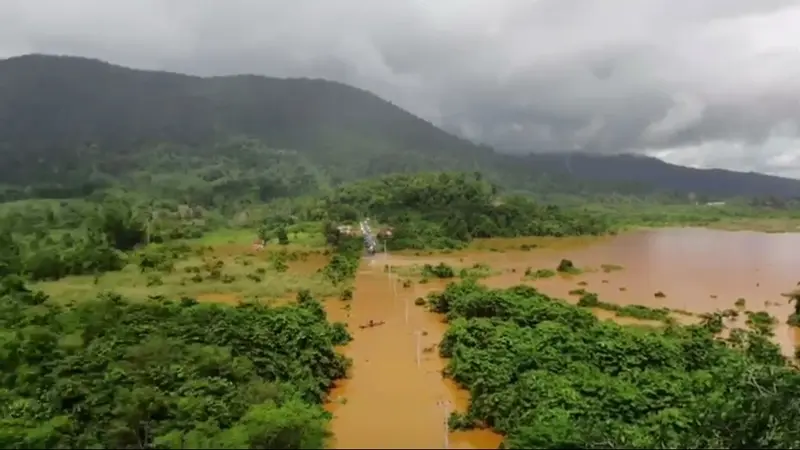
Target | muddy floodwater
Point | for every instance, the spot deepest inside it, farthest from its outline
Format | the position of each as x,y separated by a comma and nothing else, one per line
396,396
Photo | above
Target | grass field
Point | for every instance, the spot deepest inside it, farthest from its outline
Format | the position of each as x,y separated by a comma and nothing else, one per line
306,235
220,267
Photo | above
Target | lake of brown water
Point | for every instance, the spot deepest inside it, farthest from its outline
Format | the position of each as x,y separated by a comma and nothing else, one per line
394,400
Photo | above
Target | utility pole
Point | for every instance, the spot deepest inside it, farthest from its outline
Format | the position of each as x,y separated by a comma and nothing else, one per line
445,405
388,265
418,334
394,282
405,303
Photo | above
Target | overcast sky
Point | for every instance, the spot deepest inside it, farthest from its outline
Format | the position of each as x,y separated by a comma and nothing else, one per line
708,83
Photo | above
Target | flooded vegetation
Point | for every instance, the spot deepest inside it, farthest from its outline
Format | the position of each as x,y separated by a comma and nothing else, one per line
466,347
548,374
464,337
617,279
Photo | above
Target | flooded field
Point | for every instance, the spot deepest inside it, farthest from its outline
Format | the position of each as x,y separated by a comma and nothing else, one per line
396,396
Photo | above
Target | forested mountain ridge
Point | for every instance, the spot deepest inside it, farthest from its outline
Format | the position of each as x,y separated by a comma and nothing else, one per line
70,126
653,171
73,100
68,121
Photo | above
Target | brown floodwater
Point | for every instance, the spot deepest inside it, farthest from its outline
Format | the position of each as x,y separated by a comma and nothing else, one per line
395,395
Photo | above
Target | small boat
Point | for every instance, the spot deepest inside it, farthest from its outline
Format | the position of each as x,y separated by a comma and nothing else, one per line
371,324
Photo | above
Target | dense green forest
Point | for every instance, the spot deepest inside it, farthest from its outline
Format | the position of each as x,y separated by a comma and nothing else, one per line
54,242
637,170
109,373
548,374
72,127
445,210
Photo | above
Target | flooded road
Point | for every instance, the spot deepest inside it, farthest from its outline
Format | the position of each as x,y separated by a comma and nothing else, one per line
396,396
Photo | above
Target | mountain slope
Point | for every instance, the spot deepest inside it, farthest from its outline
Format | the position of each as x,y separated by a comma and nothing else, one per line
49,106
653,171
69,126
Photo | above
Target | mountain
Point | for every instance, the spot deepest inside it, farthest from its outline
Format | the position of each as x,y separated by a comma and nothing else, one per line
71,126
66,120
655,172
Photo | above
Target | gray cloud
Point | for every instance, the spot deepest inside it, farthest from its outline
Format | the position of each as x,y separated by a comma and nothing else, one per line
707,83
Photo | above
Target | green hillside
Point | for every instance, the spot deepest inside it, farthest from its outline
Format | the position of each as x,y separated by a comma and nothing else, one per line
72,126
636,169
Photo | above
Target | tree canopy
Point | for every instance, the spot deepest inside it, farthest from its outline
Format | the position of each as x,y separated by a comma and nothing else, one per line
548,374
109,373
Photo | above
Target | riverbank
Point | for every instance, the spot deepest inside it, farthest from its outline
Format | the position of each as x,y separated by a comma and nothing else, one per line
755,224
723,217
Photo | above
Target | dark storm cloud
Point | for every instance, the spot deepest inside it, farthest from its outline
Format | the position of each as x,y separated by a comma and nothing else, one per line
711,82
